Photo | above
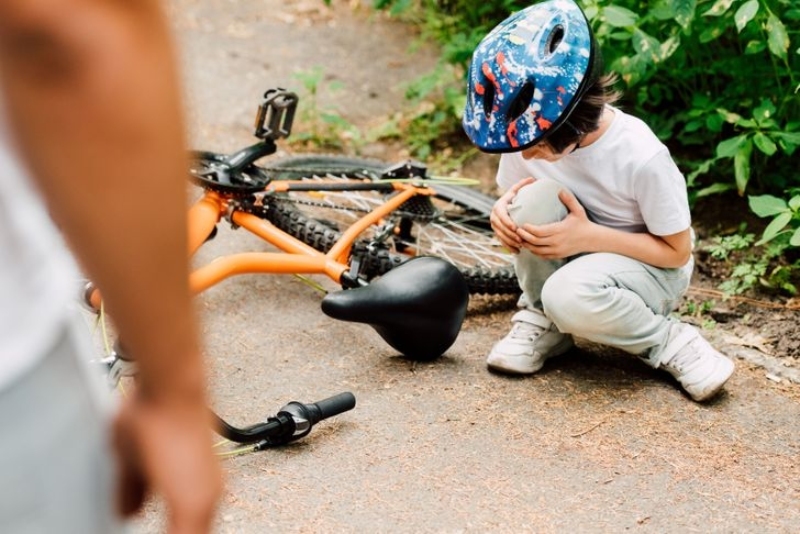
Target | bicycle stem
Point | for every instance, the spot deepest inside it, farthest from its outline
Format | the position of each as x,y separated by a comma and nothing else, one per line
240,159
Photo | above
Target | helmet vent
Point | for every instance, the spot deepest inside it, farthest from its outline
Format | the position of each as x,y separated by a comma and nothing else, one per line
521,102
488,98
555,38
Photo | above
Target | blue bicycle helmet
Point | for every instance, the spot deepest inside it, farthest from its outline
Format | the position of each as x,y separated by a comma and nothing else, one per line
527,75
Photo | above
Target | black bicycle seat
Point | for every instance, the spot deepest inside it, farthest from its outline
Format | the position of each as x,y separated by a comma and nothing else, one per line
417,307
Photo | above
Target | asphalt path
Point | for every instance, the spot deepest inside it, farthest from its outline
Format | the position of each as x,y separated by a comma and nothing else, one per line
596,442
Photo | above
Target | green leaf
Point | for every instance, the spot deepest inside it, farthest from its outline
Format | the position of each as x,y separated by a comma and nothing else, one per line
745,14
720,7
684,11
399,6
661,11
765,144
622,35
590,11
619,17
714,123
728,116
778,37
709,34
795,240
646,45
729,147
632,69
669,47
788,148
764,111
794,203
767,205
746,123
713,189
693,126
741,165
700,100
754,47
774,227
789,137
701,169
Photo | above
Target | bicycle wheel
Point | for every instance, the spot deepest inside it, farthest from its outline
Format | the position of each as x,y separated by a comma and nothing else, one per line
453,224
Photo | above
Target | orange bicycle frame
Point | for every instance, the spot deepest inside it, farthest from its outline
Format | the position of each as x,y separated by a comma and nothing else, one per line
295,257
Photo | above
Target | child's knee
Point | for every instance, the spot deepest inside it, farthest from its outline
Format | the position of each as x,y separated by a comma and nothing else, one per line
538,203
566,305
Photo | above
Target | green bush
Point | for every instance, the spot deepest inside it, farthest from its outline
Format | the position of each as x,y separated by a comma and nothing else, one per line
717,80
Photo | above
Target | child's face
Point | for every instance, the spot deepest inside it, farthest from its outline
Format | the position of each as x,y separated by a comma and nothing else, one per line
545,152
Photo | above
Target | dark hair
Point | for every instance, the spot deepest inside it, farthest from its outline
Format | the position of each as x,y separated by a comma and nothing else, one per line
586,114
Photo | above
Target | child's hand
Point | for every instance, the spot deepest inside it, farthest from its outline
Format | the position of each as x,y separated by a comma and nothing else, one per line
561,239
504,228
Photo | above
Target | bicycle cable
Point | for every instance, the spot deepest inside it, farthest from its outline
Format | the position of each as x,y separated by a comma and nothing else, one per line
358,173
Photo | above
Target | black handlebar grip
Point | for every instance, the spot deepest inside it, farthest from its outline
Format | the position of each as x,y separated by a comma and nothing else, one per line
334,405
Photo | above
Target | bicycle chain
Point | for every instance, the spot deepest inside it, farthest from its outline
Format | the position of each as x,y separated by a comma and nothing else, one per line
316,172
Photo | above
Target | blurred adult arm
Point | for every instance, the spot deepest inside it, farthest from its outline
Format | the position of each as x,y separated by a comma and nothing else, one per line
93,97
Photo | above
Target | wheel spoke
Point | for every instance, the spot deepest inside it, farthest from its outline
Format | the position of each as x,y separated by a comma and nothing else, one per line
457,230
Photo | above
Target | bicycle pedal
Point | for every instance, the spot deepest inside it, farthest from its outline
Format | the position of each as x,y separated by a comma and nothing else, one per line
118,368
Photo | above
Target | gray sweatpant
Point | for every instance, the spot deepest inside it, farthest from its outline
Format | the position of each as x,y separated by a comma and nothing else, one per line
606,298
56,469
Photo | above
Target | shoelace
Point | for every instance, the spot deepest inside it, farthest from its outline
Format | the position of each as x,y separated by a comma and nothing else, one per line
686,357
525,330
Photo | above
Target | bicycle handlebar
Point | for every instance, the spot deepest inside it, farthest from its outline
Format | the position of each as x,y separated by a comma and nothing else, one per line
335,405
291,423
315,412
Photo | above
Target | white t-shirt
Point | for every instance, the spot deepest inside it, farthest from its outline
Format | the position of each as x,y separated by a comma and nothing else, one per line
626,179
37,274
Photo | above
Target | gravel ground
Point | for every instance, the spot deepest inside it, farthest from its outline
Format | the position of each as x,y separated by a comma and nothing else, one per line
596,442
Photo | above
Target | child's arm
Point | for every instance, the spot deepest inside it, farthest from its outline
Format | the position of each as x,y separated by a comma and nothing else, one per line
577,234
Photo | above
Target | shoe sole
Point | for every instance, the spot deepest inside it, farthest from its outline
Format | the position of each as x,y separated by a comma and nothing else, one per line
503,364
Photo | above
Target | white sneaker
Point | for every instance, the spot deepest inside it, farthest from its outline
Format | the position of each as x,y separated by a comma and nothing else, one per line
700,369
532,340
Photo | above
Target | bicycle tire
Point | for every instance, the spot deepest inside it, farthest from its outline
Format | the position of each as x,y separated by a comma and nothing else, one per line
458,229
